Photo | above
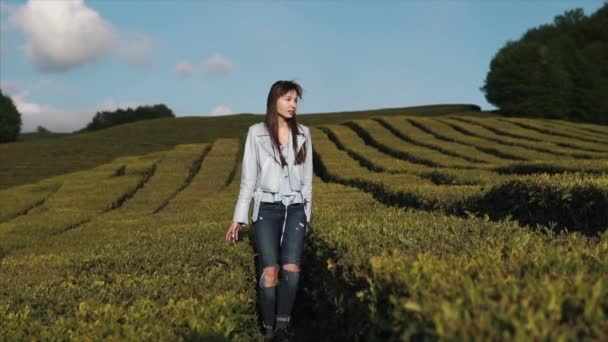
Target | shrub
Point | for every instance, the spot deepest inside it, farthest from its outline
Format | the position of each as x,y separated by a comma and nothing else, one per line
10,119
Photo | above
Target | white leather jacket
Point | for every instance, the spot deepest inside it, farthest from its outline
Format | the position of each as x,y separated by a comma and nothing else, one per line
261,171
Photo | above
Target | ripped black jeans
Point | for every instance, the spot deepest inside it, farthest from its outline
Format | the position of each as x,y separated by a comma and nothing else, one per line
279,233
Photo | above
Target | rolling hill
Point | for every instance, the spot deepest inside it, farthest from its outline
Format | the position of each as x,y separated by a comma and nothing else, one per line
436,222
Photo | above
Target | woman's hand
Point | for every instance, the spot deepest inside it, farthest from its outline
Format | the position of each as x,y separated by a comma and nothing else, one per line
233,232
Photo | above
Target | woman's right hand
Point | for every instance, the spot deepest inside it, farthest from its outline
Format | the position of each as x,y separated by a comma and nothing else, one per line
233,232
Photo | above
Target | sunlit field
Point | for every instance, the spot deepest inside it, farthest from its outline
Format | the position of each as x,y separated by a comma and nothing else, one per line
458,226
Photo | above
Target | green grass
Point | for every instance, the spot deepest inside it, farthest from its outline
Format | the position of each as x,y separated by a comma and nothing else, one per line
523,137
133,274
35,159
129,244
424,135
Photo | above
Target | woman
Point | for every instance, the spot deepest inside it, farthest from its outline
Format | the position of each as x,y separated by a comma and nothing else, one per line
277,173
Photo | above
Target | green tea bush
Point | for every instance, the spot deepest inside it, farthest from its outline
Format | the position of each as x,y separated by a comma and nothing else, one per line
19,200
408,129
382,273
485,141
575,201
381,138
162,276
510,133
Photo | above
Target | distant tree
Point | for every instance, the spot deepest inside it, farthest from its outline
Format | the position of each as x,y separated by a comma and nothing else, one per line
121,116
557,70
10,119
42,129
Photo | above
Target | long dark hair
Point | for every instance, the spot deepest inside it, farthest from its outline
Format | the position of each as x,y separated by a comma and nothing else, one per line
278,89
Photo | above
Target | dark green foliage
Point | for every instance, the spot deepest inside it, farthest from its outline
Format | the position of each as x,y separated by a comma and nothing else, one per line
42,129
557,70
578,206
10,119
529,168
107,119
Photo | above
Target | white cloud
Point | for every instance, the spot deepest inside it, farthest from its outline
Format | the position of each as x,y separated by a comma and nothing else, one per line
220,110
185,69
53,119
56,119
218,64
64,34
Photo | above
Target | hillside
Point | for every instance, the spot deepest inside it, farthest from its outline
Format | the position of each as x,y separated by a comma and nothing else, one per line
29,161
423,228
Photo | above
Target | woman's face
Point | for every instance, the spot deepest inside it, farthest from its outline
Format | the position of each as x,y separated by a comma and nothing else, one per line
287,105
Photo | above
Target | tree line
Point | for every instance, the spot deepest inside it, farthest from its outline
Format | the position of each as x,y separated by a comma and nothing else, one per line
557,70
11,122
105,119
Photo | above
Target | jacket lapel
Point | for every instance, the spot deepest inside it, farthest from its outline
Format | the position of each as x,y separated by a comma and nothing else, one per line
266,144
265,141
300,141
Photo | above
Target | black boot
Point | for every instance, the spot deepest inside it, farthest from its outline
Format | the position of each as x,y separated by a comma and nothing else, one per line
283,334
269,334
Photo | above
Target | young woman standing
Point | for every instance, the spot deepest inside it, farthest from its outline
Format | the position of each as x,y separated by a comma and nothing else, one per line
277,173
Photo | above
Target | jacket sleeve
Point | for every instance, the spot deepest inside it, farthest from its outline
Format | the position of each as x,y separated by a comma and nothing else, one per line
307,176
249,173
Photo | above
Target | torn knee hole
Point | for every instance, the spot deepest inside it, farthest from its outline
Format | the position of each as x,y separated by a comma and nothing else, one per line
269,276
292,267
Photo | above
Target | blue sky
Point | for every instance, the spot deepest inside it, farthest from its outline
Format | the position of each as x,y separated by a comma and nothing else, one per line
63,60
